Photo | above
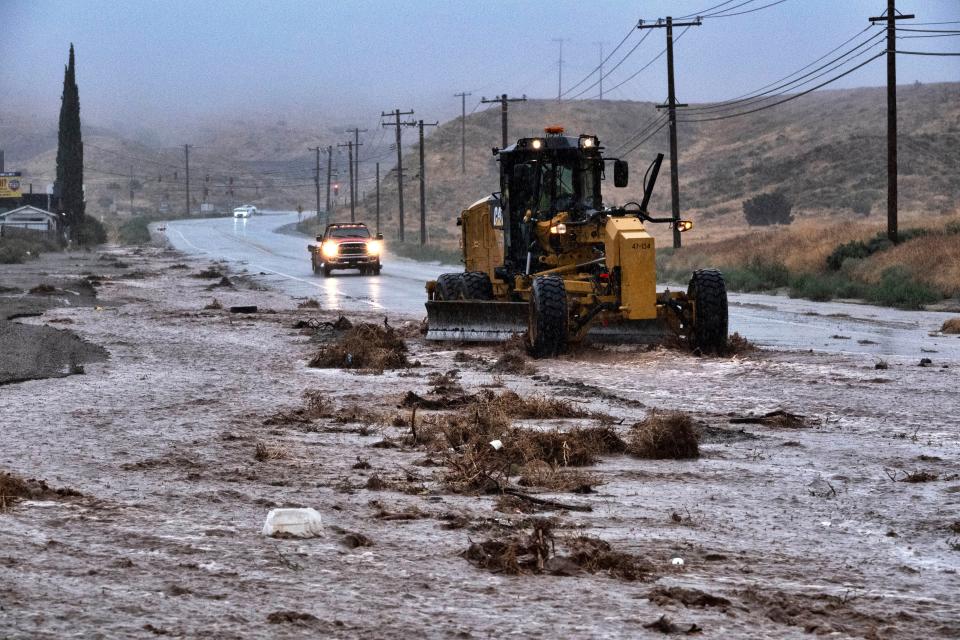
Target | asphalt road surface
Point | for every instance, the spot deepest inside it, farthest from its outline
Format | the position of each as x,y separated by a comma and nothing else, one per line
774,321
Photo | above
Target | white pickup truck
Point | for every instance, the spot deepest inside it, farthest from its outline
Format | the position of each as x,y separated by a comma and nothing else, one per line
245,211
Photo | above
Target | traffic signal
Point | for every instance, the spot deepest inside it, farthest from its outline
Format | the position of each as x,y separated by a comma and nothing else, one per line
336,189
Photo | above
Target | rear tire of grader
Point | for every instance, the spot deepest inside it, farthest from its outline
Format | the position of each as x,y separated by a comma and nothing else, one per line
547,328
710,320
476,285
449,286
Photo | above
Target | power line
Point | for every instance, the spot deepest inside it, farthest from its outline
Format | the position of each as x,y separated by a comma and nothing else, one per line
779,90
660,117
787,99
926,53
740,13
650,135
703,11
646,66
803,68
602,61
615,67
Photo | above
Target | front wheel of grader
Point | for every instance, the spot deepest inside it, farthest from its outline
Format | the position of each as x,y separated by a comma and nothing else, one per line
547,328
449,286
710,321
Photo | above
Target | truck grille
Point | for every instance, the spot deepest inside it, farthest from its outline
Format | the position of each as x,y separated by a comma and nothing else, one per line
353,249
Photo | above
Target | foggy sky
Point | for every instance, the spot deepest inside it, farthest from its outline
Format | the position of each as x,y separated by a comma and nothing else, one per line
176,63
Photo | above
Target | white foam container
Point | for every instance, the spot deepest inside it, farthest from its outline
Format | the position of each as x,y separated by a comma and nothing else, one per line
301,523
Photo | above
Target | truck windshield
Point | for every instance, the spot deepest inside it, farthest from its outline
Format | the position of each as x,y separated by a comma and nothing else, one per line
348,232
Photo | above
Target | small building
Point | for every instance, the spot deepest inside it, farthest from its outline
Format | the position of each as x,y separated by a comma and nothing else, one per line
31,218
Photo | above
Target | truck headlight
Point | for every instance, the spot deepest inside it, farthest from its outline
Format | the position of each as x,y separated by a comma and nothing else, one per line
374,247
329,249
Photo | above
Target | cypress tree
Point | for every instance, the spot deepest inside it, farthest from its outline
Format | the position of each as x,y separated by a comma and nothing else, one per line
70,153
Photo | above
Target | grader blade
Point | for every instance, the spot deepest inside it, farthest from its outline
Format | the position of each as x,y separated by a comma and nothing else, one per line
630,332
475,321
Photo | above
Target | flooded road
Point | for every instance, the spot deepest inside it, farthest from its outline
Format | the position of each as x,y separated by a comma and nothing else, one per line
768,320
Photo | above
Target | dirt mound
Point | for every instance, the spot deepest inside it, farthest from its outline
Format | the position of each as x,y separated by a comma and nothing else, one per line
951,326
14,488
291,617
687,597
364,346
779,418
664,436
210,273
43,290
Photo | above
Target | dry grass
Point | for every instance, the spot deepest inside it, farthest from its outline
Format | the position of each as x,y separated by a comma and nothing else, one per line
309,303
951,326
934,260
315,406
215,305
538,473
663,436
518,554
364,346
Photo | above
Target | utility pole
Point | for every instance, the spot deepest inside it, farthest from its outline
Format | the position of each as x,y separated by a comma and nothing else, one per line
349,146
396,113
504,100
131,191
463,129
671,106
355,183
316,179
600,44
423,185
326,213
559,68
378,198
186,157
892,197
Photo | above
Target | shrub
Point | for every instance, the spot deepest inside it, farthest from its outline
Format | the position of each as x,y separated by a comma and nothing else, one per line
768,208
899,288
135,231
91,232
757,275
855,249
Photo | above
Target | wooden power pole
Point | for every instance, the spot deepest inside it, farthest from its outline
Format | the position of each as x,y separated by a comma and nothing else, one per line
890,18
671,107
378,198
355,182
503,100
423,185
186,161
316,179
463,129
396,113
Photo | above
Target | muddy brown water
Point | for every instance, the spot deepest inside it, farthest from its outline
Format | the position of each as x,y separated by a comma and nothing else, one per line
802,530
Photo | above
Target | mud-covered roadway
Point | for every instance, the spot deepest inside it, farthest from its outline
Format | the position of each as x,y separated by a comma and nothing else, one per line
792,530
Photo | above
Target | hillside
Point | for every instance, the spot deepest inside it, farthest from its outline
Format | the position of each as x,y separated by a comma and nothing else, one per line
827,151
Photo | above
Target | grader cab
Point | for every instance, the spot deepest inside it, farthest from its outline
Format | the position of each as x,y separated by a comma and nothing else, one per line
544,257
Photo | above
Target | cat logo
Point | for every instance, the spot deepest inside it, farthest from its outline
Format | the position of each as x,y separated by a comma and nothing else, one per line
497,217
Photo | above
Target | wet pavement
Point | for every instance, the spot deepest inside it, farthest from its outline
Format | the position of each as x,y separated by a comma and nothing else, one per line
768,320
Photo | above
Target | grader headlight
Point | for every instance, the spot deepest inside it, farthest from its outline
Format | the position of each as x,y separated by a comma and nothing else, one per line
558,229
683,225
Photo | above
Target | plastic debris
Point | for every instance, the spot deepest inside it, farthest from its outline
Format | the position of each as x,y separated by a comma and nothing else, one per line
677,562
299,523
496,444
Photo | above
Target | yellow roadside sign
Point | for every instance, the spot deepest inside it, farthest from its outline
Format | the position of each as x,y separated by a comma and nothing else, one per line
10,184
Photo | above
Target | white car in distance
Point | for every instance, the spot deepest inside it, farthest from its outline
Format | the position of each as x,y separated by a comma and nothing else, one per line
245,211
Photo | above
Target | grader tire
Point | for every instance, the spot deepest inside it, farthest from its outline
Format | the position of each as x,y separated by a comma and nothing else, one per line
449,286
547,328
710,320
476,285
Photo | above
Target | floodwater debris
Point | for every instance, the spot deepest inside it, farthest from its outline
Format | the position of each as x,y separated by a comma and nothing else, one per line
293,522
951,326
687,597
14,488
245,308
663,436
777,418
364,346
291,617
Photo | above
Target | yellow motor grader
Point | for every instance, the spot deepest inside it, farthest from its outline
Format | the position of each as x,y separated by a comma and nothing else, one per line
544,257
